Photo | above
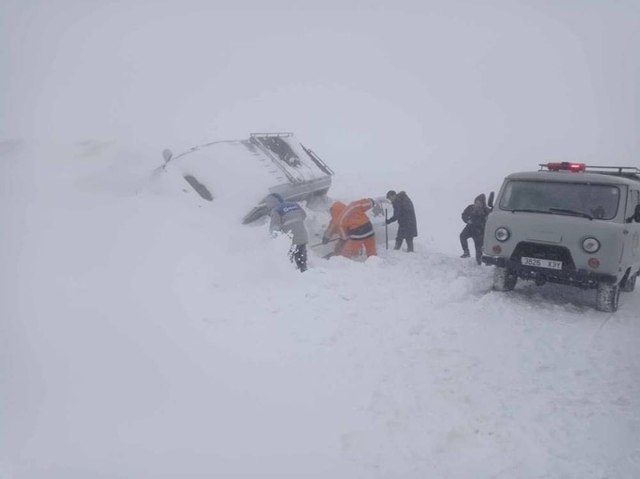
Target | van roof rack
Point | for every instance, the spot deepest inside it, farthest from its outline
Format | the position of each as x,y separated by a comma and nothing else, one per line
630,172
271,135
618,169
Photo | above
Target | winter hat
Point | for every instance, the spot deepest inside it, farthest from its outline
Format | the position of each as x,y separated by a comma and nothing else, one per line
482,198
273,200
390,193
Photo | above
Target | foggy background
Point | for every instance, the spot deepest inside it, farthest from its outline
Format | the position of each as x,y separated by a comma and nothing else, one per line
133,343
441,99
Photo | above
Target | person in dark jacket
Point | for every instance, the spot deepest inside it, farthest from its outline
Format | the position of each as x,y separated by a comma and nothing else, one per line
288,217
405,215
475,217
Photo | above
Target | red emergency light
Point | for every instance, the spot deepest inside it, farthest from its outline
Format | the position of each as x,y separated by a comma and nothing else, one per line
566,166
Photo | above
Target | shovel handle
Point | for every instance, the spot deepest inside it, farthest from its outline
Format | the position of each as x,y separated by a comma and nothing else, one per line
320,244
386,230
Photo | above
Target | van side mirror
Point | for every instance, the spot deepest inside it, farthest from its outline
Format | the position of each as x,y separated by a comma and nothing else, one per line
490,202
636,215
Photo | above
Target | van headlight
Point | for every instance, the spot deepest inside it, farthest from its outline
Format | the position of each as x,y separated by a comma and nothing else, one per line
502,234
590,245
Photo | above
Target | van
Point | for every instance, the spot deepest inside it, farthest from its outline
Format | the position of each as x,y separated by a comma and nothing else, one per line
570,224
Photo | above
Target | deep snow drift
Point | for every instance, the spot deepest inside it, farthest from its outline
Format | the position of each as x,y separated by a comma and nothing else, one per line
145,333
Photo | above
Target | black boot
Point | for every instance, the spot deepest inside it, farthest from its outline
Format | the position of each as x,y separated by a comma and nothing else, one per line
465,254
300,257
409,245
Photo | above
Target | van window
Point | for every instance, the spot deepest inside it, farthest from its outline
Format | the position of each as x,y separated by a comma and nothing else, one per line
634,200
595,201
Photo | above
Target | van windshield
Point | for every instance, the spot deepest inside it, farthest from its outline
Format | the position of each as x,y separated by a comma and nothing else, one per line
572,199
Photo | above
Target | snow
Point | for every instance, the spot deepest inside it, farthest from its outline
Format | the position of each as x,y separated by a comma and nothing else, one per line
146,333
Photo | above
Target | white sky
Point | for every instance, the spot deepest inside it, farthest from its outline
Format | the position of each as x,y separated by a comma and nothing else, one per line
502,81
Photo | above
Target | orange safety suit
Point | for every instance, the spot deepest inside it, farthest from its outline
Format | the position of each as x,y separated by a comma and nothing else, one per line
352,225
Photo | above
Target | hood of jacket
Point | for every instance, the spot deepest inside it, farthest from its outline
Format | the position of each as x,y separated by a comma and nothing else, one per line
273,200
337,208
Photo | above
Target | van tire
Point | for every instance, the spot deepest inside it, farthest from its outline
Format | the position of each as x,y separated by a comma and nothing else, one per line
503,279
607,297
630,284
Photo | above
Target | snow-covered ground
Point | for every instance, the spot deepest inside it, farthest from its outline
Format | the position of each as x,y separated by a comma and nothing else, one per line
146,334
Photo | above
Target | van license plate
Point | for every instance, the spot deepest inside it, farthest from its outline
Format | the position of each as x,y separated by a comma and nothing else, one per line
541,263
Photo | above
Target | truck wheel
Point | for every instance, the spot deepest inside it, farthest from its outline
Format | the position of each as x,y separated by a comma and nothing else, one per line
630,284
503,279
607,297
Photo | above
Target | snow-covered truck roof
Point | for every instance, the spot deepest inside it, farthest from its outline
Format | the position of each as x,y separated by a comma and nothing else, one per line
243,172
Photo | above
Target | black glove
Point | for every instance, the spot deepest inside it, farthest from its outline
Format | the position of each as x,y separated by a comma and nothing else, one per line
325,240
388,222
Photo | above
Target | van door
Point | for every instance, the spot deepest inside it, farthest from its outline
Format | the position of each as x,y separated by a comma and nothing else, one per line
633,227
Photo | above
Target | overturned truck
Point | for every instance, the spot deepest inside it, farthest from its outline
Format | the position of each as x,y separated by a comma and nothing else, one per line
244,172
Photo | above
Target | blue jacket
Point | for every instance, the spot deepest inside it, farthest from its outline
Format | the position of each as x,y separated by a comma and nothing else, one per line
288,217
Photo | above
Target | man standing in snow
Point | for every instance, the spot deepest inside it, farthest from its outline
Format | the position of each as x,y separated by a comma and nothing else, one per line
405,215
475,217
353,227
288,217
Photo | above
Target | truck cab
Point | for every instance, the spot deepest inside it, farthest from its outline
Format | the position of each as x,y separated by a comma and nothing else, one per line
567,223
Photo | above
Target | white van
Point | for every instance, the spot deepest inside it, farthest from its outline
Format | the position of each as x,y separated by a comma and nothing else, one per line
567,223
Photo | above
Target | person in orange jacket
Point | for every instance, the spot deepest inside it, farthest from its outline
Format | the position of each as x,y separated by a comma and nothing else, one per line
351,224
